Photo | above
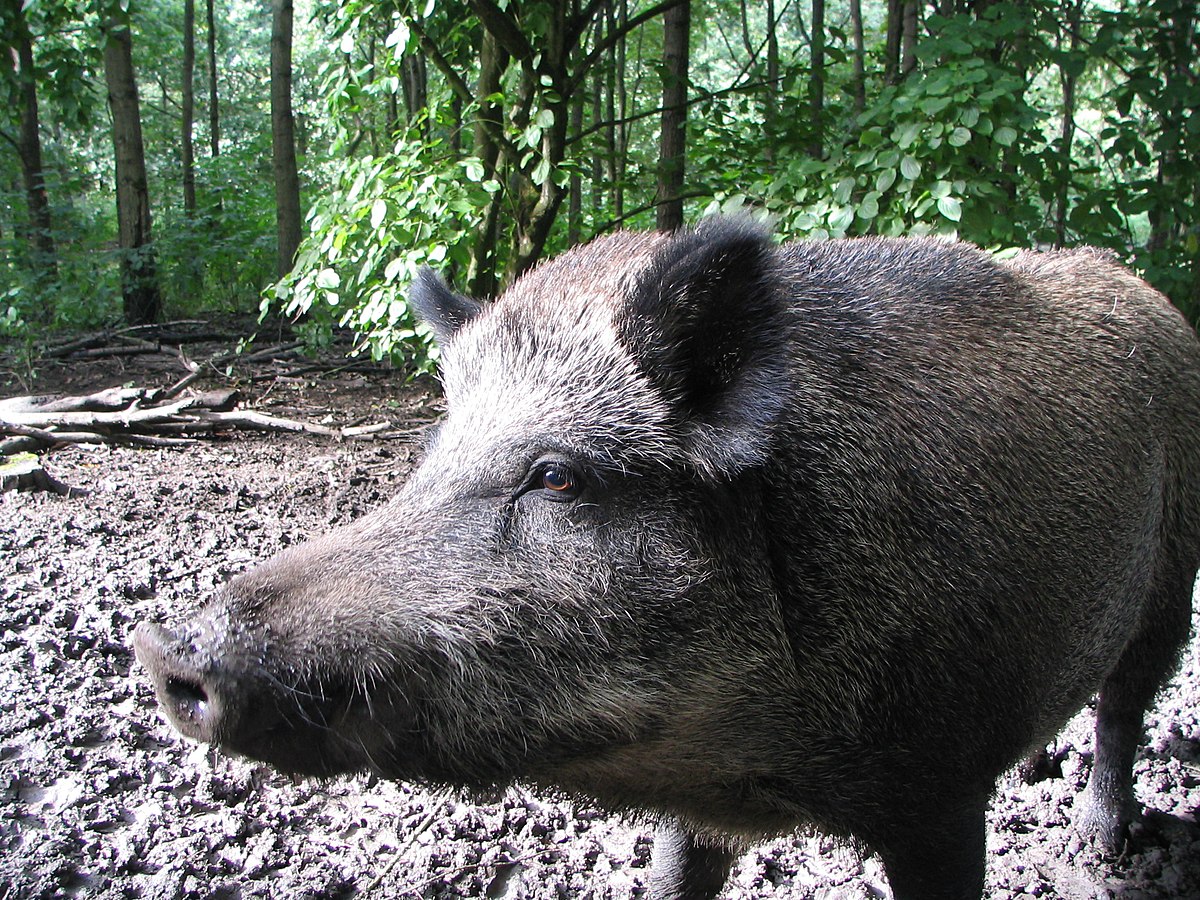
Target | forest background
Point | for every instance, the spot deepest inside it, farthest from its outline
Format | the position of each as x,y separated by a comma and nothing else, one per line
163,160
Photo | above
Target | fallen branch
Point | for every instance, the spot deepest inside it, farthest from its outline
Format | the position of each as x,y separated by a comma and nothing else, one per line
138,416
218,360
151,338
24,472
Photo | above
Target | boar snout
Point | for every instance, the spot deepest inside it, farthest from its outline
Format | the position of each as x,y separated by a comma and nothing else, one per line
190,696
215,695
208,691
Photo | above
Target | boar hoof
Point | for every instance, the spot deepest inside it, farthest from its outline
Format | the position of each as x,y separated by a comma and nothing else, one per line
1104,820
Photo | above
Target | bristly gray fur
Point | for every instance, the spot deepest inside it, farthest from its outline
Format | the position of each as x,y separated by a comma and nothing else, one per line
752,536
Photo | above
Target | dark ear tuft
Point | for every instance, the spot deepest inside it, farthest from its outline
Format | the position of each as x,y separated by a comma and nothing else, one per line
708,325
440,308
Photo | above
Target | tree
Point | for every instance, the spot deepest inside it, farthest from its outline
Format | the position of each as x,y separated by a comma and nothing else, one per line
673,137
283,138
1070,65
214,108
188,106
858,81
816,81
139,280
43,253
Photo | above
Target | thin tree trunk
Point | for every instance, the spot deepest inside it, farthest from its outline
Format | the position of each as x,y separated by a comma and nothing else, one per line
189,106
214,110
533,228
1173,40
673,137
816,83
283,138
908,53
771,109
891,44
575,196
1068,77
416,86
44,253
603,147
618,94
139,284
493,60
859,78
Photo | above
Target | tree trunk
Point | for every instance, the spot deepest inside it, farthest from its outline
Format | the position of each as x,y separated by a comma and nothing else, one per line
602,149
416,85
1068,76
481,271
673,137
1173,40
859,78
43,253
908,43
771,108
891,44
214,111
551,79
816,83
575,191
283,138
139,283
188,102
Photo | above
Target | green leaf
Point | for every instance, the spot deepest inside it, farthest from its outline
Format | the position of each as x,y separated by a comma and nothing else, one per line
869,208
906,134
474,168
379,210
1005,136
328,279
841,219
934,105
910,168
394,268
885,180
950,207
959,137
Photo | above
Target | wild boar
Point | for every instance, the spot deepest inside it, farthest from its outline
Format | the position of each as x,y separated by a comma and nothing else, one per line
750,537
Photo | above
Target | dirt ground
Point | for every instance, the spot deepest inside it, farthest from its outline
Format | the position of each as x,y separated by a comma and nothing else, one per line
100,798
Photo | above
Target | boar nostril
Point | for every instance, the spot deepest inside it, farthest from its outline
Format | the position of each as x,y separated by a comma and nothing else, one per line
189,699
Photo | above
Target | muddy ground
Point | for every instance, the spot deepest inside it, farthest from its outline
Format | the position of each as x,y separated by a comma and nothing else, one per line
99,798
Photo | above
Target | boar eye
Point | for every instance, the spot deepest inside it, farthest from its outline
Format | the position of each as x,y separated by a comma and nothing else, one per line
557,480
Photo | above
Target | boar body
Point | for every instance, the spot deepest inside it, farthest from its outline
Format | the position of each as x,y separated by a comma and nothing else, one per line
752,537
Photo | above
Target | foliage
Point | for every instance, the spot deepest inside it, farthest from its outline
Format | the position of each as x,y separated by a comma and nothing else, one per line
366,243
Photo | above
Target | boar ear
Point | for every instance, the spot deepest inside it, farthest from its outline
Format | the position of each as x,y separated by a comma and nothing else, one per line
440,308
708,325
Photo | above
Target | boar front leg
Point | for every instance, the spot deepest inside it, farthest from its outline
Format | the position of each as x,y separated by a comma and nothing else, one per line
685,867
943,858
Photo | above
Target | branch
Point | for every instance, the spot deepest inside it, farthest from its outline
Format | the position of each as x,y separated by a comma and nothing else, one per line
460,87
121,416
504,27
611,39
692,101
654,204
579,22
